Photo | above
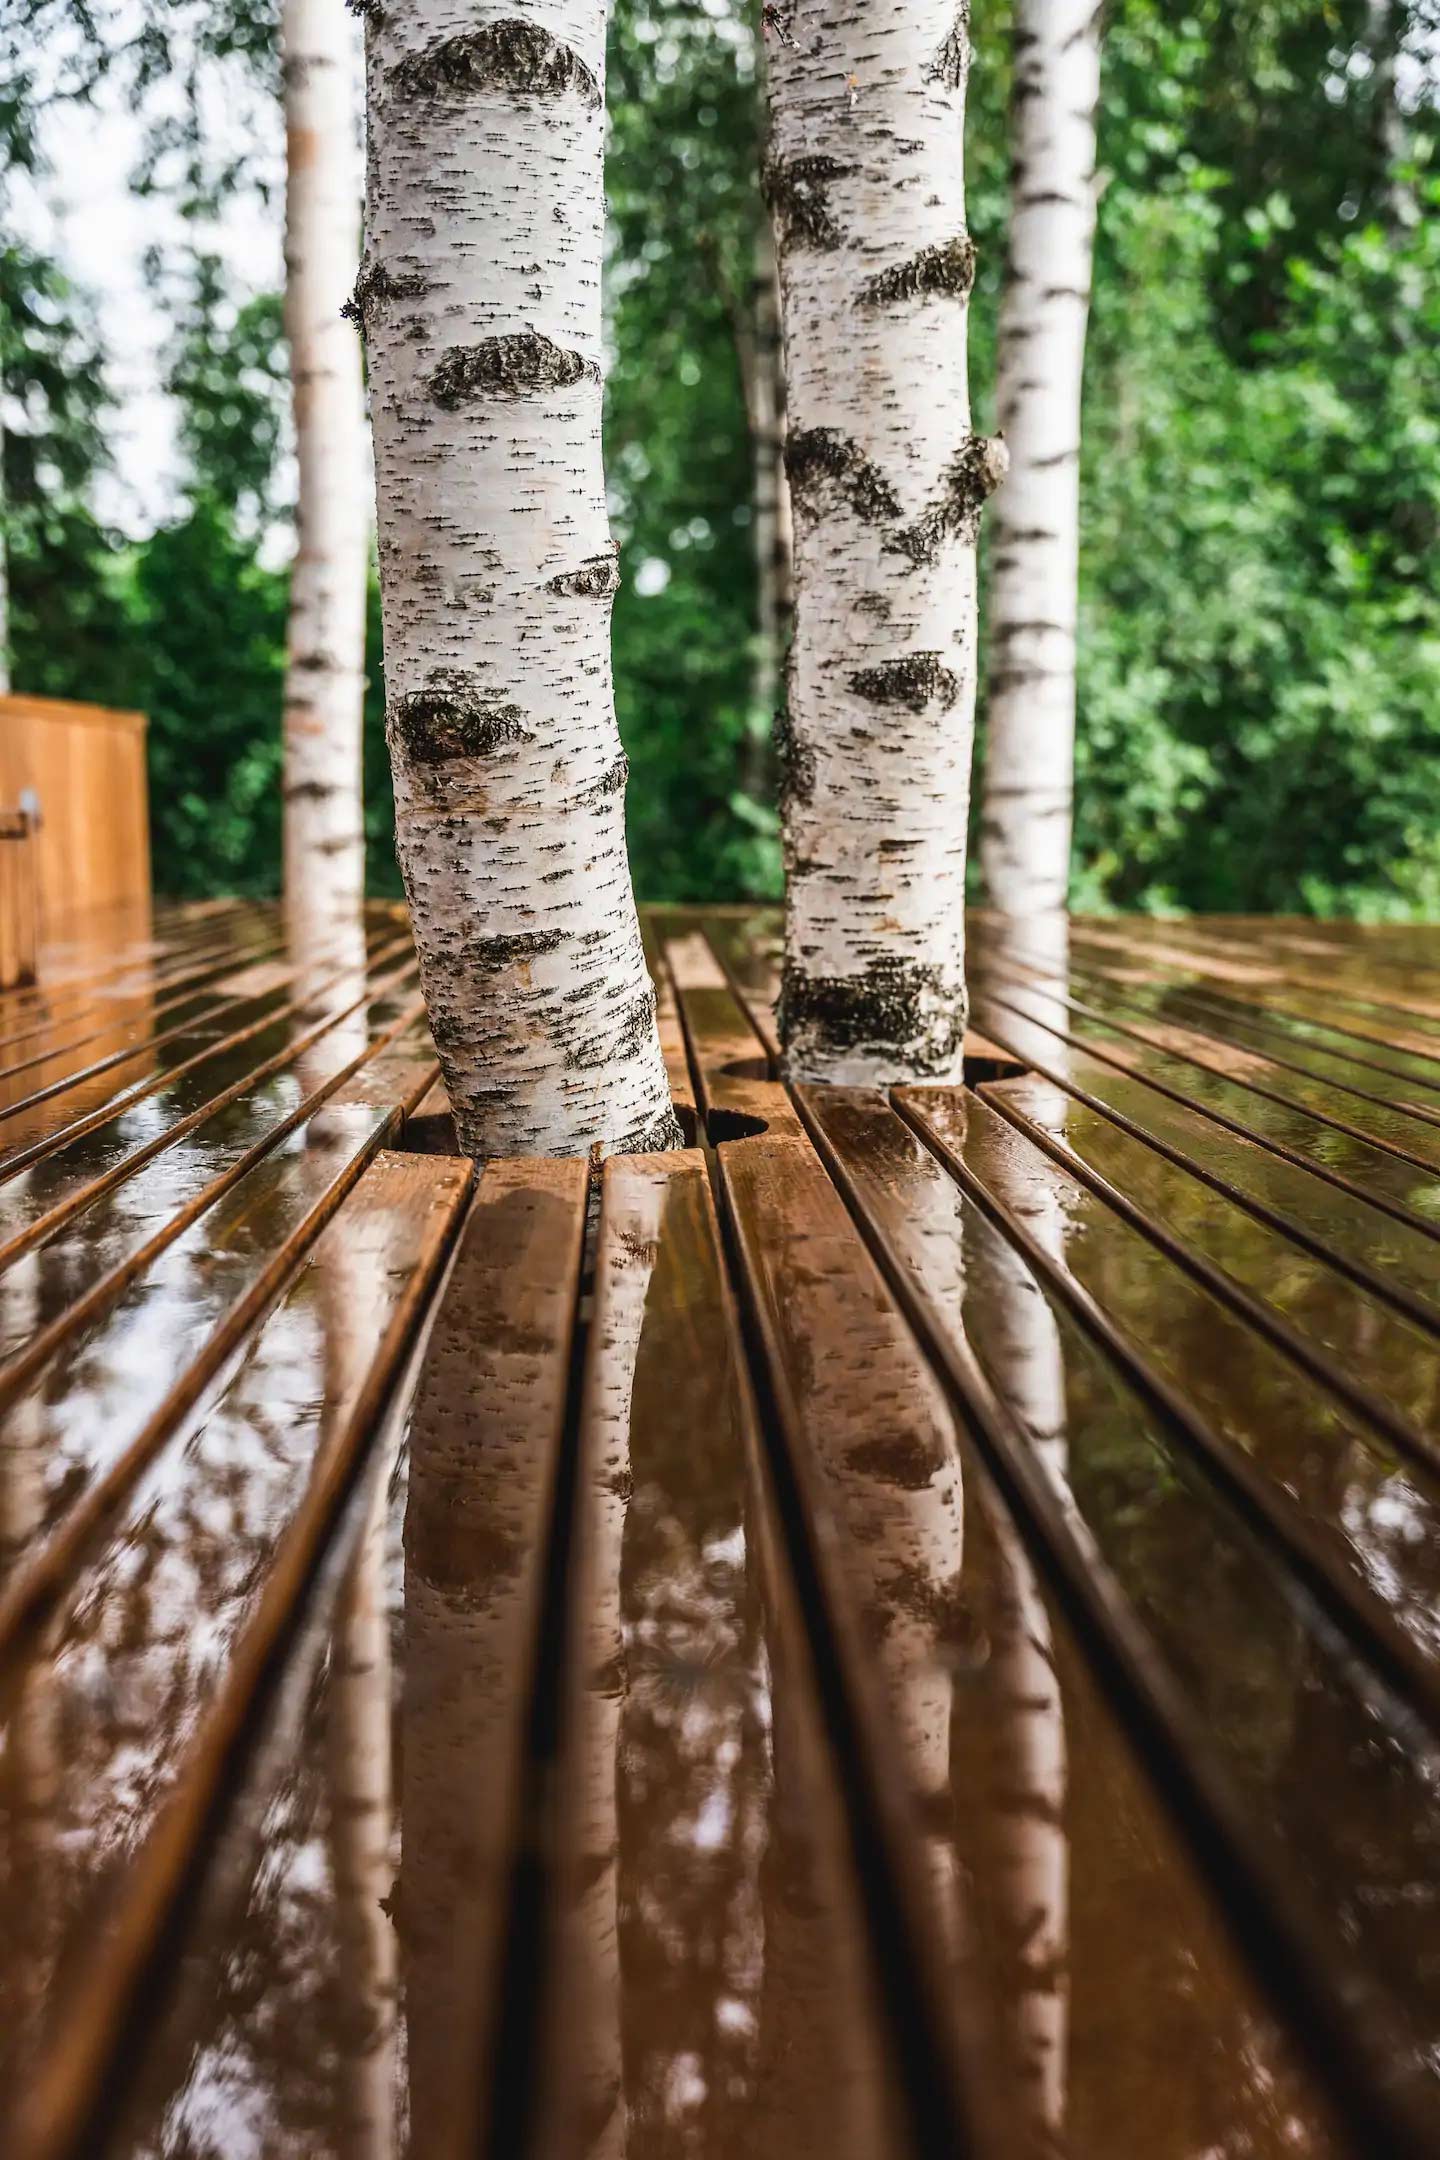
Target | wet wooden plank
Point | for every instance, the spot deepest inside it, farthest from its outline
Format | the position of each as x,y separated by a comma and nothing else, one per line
225,1061
1192,1614
1246,974
484,1470
1362,1529
712,1987
748,948
99,1389
728,1058
1378,1154
111,1035
1296,1016
128,998
1085,1898
1389,1257
801,1265
1281,1041
375,1270
1377,1361
372,1846
192,1135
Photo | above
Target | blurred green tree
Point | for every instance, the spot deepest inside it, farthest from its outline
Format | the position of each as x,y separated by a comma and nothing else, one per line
1261,612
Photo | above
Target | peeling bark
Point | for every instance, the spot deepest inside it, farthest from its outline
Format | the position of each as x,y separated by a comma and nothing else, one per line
481,306
325,667
1028,785
865,181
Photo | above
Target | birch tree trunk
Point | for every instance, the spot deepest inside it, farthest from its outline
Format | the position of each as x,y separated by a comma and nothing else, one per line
325,663
764,385
480,299
866,185
1028,787
1385,31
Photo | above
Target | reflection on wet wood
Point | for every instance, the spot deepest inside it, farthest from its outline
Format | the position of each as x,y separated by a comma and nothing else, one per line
389,1248
1382,1366
710,1988
1038,1819
1382,1253
1168,1558
484,1463
1364,1537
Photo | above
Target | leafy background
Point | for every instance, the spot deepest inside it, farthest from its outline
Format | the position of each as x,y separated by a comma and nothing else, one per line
1259,720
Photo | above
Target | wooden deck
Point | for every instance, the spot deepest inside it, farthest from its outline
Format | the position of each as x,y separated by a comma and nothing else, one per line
909,1629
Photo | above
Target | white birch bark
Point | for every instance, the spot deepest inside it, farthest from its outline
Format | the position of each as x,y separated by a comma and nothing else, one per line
325,661
763,374
1028,785
480,299
1383,37
866,186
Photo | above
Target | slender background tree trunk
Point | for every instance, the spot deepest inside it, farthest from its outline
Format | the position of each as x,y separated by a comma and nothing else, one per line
480,298
1028,786
325,667
1385,30
762,371
866,186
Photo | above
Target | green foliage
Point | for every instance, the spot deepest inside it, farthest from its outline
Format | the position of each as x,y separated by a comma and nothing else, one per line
67,624
1260,622
684,211
210,664
1260,613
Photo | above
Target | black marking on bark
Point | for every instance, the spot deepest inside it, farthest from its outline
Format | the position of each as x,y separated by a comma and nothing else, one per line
915,680
973,475
490,954
656,1137
374,286
948,269
798,191
794,760
309,791
819,460
515,366
447,721
951,63
596,579
609,783
636,1022
895,1004
519,58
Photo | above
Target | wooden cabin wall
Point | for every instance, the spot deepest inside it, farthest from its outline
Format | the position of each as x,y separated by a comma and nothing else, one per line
86,763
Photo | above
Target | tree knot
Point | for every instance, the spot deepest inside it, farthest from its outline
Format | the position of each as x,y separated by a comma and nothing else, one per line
519,58
513,366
